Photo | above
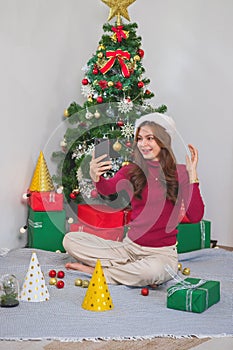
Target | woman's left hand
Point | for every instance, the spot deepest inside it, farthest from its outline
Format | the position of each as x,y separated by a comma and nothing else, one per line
191,163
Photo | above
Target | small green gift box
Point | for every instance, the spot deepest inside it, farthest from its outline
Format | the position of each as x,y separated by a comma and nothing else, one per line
193,294
193,236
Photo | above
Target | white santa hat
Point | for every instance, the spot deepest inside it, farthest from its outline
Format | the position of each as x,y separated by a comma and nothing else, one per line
164,120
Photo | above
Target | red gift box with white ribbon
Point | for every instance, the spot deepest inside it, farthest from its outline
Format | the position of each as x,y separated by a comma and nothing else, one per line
103,216
45,201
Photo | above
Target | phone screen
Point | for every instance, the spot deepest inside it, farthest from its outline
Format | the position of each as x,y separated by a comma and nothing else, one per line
102,147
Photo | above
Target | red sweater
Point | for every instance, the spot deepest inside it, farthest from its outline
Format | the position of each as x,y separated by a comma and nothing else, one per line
154,219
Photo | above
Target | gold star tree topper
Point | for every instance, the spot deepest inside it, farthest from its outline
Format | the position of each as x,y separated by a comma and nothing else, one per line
118,8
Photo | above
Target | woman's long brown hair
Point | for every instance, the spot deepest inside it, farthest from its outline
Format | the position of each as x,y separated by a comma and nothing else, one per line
139,171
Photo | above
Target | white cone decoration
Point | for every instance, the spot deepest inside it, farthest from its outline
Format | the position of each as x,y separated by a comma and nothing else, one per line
34,288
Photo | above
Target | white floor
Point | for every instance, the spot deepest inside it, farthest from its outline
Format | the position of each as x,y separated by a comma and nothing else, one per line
225,343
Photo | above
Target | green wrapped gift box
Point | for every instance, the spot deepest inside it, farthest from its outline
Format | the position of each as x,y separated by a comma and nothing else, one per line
196,296
46,230
193,236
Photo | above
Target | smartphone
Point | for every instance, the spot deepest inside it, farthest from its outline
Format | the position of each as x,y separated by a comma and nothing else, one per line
102,146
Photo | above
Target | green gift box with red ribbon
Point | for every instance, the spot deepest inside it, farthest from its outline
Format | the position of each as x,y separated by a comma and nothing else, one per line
193,295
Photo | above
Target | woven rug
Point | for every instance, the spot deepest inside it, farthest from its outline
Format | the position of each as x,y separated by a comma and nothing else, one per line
133,317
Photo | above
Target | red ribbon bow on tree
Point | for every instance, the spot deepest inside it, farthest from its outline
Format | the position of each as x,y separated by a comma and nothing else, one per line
120,56
120,34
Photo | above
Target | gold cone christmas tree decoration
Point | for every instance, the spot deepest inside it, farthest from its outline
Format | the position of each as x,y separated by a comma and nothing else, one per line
97,297
41,181
34,288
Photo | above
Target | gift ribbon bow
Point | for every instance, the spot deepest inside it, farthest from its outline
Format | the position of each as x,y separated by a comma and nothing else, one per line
120,56
187,286
120,33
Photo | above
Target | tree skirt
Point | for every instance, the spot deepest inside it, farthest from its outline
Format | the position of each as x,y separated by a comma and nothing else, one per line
133,317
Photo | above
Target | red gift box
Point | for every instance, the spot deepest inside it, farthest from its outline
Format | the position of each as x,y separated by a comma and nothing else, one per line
103,216
114,234
45,201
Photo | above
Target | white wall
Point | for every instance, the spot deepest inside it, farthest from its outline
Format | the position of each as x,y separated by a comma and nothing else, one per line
188,57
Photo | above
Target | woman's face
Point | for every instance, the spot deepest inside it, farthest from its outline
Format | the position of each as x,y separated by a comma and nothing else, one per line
147,145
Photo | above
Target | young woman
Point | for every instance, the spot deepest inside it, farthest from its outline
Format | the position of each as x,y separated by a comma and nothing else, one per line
157,187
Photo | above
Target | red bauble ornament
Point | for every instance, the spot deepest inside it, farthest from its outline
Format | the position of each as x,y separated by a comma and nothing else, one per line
118,85
52,273
85,81
95,71
120,123
60,274
72,195
99,99
94,194
140,53
147,92
60,284
140,84
144,291
128,144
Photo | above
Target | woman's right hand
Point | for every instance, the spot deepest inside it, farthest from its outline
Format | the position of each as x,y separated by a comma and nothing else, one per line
98,168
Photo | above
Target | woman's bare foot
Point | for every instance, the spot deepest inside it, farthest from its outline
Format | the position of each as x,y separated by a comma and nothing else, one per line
79,267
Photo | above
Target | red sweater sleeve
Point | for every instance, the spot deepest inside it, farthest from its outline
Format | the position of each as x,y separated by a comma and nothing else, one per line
116,183
191,195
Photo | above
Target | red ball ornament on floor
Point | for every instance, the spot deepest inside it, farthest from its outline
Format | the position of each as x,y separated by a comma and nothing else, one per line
60,274
141,53
140,84
60,284
144,291
85,81
72,195
52,273
99,99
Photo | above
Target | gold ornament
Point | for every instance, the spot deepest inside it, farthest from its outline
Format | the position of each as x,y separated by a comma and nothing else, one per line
101,47
117,146
110,83
85,283
118,8
186,271
114,36
100,54
53,281
78,282
66,113
179,266
41,181
125,163
90,99
137,58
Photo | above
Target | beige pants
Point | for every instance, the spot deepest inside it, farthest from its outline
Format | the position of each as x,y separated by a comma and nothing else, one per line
122,262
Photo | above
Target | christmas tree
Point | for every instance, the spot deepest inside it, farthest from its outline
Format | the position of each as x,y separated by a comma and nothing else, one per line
116,94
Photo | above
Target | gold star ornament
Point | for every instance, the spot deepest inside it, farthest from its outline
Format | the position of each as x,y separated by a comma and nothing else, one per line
118,8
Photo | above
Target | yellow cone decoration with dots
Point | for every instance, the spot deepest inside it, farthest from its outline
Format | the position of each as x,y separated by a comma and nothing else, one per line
34,288
41,181
97,297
